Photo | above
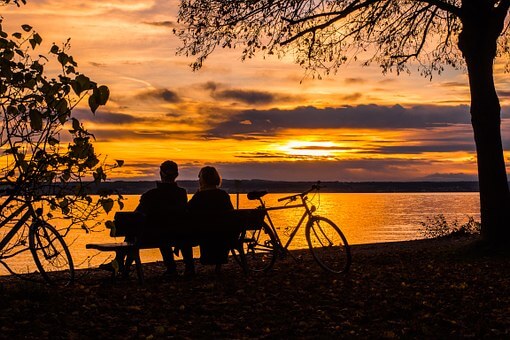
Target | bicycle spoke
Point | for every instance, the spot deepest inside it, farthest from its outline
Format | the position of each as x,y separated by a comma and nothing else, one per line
258,248
51,254
328,245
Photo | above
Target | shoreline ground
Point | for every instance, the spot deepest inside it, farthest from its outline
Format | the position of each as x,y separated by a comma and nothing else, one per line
414,289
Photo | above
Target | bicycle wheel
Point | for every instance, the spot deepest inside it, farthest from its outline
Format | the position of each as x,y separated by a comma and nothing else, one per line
51,255
328,245
258,247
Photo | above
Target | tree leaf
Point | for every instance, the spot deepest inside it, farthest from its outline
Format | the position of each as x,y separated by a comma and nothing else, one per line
37,38
36,122
63,58
62,107
26,28
81,83
76,124
103,93
109,224
107,204
53,141
93,104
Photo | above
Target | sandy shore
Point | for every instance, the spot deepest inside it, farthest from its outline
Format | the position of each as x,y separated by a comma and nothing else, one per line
417,289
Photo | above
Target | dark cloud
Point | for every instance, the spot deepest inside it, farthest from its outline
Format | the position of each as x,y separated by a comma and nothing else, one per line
106,117
245,96
160,94
169,24
502,93
453,84
387,81
326,170
211,86
350,117
220,91
173,115
105,135
352,97
354,81
419,149
96,64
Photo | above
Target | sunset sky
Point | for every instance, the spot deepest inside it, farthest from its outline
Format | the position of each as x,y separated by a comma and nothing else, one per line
259,119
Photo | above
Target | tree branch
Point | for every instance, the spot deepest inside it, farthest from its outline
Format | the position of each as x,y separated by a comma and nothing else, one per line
444,6
339,15
348,10
422,43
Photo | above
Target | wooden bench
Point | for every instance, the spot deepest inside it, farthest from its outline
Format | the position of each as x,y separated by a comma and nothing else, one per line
190,227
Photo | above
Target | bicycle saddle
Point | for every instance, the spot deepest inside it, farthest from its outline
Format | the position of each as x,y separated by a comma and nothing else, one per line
255,195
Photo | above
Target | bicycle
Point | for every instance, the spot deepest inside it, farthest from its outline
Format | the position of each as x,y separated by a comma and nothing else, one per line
262,244
48,248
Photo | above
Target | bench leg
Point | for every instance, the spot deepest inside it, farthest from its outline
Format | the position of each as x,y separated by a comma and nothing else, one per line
138,264
242,256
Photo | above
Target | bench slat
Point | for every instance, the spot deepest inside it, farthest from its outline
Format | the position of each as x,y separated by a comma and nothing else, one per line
109,246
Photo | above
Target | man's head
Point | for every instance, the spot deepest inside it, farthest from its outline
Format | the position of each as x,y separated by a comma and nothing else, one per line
168,171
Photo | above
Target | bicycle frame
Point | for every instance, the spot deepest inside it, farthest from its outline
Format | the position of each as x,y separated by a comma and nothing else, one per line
307,214
48,248
24,218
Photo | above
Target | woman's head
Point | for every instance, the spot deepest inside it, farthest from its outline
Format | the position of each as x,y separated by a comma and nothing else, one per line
209,177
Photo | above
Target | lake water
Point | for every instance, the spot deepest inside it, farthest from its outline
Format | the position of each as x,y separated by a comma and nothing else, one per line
363,218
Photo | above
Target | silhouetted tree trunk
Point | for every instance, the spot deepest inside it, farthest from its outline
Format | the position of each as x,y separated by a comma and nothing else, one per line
478,43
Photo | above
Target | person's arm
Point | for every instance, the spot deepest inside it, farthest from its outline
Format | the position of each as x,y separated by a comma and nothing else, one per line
228,202
193,202
142,205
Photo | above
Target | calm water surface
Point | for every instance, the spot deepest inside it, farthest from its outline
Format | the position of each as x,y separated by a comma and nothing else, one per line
363,218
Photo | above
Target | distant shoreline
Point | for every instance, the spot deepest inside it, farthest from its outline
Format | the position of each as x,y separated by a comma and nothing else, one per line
244,186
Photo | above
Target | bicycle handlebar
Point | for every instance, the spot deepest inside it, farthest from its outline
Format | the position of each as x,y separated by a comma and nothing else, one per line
317,187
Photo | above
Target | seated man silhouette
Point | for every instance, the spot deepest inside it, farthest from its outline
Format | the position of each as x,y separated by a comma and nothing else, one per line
157,205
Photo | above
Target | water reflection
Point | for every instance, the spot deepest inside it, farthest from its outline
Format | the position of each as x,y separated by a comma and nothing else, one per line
363,218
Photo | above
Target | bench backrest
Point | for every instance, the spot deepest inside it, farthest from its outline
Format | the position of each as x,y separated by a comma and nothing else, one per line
186,224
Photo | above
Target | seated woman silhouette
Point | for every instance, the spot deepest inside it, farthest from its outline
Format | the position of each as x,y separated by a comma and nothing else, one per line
210,198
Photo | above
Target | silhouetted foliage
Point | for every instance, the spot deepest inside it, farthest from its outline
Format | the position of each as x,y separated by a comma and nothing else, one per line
47,157
323,35
438,226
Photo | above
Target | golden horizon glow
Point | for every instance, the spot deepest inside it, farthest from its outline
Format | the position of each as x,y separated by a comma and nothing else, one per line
258,119
310,148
